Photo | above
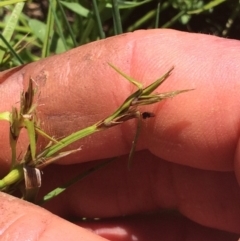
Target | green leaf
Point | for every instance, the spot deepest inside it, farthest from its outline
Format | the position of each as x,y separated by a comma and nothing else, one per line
10,2
38,28
61,47
10,27
66,22
11,50
98,19
59,28
116,17
76,8
49,30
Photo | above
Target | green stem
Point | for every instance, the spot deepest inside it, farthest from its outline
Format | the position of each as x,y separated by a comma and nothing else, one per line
12,177
68,140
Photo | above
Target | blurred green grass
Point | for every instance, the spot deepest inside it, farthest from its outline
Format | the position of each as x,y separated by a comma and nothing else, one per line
31,30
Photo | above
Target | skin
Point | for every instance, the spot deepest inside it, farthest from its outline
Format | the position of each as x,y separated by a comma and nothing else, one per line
188,156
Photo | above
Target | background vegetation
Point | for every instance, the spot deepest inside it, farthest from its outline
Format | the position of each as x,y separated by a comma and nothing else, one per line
31,30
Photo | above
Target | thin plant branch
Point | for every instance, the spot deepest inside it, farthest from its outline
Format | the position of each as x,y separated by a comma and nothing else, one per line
32,161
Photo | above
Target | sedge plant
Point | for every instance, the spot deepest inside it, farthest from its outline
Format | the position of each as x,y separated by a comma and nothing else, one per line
26,173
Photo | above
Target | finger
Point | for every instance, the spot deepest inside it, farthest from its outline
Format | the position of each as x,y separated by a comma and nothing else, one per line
209,198
198,128
156,227
23,221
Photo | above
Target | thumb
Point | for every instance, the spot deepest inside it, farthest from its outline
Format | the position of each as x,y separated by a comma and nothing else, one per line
24,221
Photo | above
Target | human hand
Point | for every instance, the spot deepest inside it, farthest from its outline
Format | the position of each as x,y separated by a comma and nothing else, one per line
188,155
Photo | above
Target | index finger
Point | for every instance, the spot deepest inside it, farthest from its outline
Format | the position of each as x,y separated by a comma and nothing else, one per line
199,128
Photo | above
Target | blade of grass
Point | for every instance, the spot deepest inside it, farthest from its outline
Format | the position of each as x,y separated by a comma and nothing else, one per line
147,17
67,24
68,140
23,20
17,28
38,29
149,89
59,28
151,14
173,20
49,30
9,30
10,2
85,22
87,30
157,15
98,19
76,8
115,32
206,7
18,47
76,179
127,77
117,16
46,161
